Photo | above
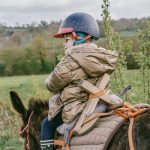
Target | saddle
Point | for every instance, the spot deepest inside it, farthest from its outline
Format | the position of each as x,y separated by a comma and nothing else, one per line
97,138
95,130
89,117
104,129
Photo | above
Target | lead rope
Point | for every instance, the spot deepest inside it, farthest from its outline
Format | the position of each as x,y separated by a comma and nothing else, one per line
26,129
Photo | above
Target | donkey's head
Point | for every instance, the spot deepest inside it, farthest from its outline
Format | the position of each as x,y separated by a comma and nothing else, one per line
31,117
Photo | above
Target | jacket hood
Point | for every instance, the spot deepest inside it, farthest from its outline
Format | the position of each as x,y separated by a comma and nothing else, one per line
93,60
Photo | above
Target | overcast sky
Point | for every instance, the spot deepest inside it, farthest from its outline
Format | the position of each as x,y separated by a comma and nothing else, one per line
27,11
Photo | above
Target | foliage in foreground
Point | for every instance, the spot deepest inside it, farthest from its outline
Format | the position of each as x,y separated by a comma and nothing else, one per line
9,129
10,123
142,55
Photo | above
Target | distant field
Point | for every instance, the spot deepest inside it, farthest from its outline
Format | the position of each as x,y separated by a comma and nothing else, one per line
128,33
24,85
27,87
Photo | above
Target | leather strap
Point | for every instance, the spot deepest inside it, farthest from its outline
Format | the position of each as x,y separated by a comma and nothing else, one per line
129,112
97,94
130,131
59,143
95,115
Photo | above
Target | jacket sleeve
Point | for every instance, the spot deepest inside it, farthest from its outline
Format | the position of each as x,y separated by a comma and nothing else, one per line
59,78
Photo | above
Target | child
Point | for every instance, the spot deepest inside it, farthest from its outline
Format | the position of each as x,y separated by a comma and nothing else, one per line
82,60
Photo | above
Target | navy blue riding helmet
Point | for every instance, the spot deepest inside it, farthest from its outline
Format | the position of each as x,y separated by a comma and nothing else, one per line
77,24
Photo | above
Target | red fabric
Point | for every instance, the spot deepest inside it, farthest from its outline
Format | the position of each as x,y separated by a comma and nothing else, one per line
63,31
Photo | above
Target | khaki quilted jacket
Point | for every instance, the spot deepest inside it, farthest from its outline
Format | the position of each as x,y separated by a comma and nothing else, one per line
84,61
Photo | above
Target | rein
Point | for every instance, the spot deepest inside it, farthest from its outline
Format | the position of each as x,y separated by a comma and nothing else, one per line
26,129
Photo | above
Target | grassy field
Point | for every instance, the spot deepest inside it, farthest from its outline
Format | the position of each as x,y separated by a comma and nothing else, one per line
33,86
9,143
25,85
128,33
28,86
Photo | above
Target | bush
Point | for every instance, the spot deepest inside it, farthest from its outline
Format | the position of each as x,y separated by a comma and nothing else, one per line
28,64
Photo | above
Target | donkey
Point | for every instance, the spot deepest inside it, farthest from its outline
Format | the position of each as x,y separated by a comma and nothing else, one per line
37,111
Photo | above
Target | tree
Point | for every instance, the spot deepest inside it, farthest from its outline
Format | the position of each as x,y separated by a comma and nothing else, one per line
115,43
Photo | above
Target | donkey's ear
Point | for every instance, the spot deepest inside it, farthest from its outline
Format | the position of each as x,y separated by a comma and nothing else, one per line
17,104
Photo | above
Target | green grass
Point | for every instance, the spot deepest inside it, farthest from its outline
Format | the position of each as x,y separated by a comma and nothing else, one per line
128,33
135,95
25,86
11,143
21,84
123,34
133,78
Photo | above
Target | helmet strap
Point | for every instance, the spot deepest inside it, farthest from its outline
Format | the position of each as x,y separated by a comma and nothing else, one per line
75,36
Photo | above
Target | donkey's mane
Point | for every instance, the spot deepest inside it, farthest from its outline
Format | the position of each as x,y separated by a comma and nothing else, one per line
38,105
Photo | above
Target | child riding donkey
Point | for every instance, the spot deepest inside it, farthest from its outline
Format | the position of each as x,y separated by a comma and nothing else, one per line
83,60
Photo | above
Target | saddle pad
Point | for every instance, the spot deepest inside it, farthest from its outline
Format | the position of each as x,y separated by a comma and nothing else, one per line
97,138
